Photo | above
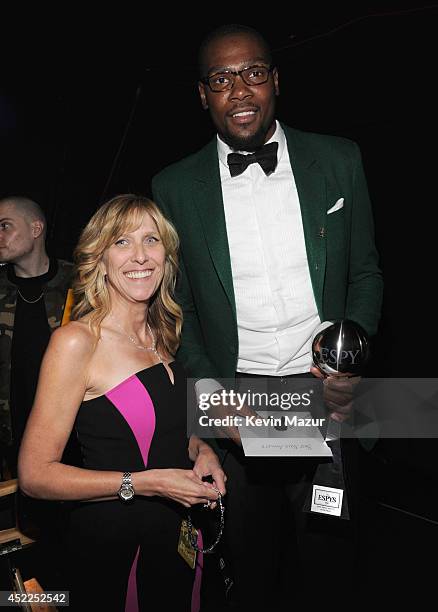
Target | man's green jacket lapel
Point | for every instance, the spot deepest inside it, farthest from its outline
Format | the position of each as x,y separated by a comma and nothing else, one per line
342,258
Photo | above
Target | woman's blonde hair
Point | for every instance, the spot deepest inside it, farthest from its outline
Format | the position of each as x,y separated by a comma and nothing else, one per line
123,214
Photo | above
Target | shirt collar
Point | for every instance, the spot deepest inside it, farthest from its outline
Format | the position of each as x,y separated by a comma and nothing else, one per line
278,136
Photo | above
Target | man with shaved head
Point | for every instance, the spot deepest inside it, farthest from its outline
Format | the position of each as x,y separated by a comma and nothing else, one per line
33,292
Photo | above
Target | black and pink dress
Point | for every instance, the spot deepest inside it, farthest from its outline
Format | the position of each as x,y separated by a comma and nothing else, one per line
123,556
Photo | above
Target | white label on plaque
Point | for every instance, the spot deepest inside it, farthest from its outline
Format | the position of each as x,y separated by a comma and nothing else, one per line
326,500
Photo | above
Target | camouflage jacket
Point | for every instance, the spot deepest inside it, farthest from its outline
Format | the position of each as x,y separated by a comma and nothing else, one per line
55,294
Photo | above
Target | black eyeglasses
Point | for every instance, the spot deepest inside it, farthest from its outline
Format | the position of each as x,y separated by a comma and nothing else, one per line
222,81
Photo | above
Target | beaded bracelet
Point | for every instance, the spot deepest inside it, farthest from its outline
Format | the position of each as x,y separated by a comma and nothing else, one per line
192,536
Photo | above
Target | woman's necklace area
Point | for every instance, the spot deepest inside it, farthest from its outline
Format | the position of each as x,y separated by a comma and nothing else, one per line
153,346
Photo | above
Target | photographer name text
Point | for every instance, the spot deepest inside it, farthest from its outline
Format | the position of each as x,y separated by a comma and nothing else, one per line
258,421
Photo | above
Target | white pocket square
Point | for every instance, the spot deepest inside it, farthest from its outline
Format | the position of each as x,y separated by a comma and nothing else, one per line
339,204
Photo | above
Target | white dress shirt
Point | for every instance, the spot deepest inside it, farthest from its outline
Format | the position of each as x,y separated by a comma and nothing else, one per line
276,309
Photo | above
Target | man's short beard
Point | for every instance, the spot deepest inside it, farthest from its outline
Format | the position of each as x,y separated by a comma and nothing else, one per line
250,143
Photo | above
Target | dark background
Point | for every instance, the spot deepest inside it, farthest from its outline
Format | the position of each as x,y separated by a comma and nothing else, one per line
94,108
89,110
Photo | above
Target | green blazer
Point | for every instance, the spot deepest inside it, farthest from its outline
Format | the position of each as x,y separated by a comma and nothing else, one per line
343,260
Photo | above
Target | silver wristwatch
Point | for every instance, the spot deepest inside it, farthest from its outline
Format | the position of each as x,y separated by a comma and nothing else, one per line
126,491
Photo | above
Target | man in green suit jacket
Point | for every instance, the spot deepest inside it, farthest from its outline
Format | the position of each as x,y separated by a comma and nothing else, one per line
269,249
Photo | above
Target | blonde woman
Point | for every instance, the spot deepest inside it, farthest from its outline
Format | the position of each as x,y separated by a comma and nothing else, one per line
110,375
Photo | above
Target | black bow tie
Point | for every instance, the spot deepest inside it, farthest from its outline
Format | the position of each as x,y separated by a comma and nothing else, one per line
266,157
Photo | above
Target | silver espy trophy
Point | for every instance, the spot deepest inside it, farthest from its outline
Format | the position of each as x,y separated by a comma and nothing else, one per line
339,349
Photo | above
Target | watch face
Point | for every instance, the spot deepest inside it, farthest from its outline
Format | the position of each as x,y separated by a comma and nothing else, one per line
126,492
